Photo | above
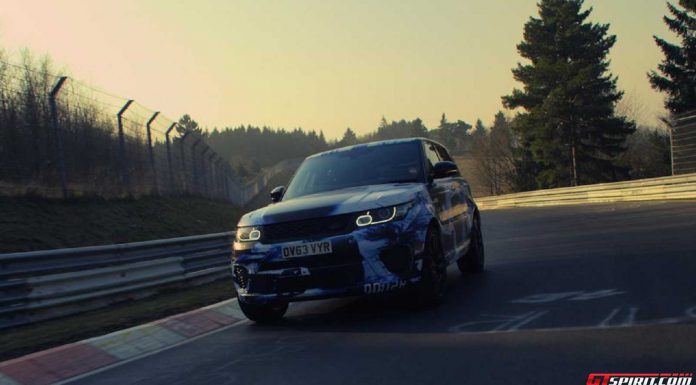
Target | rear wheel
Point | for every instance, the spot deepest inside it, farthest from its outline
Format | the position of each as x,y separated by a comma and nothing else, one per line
473,260
431,289
263,313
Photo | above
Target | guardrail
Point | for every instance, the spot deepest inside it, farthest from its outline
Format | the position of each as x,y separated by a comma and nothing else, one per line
665,188
40,285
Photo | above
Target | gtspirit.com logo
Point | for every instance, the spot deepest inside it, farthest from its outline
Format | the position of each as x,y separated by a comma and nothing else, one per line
640,379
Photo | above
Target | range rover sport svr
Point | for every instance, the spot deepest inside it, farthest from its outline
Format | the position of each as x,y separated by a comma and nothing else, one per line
359,220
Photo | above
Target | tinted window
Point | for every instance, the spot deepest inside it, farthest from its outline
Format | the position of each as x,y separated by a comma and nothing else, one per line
359,166
444,155
431,154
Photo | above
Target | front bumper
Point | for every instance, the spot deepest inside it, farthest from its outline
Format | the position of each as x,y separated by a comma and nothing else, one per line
369,260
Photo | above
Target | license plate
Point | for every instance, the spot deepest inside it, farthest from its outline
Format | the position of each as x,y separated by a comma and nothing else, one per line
307,248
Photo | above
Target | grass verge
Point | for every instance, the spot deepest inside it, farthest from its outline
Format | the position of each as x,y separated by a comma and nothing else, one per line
27,339
34,223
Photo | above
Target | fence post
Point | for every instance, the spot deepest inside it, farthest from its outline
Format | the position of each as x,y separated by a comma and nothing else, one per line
151,150
226,181
228,191
60,155
225,185
204,171
229,180
125,180
194,174
221,178
216,176
214,186
185,182
211,178
169,159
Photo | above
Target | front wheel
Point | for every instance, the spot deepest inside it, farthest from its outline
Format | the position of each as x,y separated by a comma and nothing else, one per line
431,289
473,260
263,313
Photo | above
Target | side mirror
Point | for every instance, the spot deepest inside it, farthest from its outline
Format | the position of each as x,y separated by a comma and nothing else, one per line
445,169
277,194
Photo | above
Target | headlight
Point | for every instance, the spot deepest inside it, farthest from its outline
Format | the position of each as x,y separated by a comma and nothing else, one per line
248,234
383,215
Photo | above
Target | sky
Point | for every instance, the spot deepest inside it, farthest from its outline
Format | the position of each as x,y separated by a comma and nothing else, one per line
316,64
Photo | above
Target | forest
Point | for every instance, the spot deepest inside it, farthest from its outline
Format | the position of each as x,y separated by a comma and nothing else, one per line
566,124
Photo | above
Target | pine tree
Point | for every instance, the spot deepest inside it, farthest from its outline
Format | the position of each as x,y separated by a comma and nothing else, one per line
569,132
418,129
349,138
500,122
187,124
677,72
479,129
383,122
443,121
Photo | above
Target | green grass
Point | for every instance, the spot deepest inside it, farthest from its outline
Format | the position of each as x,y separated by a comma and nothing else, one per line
47,334
34,223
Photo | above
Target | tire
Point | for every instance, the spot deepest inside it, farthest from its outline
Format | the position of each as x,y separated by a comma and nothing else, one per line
433,283
474,259
263,313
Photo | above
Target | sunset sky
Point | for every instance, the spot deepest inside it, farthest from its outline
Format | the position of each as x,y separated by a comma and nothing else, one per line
317,64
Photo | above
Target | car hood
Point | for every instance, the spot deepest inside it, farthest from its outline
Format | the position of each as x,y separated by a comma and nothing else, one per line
335,202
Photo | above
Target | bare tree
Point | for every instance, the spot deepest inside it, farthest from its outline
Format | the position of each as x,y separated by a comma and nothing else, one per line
493,154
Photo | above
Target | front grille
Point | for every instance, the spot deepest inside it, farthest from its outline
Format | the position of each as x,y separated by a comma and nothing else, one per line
309,228
241,274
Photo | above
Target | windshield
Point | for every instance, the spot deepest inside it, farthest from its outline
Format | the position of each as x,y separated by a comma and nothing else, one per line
358,166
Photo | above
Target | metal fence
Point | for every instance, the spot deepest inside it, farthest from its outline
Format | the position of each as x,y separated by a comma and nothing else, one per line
684,144
47,284
61,137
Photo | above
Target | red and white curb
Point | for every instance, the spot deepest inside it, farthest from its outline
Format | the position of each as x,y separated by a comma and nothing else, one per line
77,359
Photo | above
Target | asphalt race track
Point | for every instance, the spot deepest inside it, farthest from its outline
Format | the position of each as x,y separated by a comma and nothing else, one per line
567,291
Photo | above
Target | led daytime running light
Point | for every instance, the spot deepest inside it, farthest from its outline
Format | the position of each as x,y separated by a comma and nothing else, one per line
366,219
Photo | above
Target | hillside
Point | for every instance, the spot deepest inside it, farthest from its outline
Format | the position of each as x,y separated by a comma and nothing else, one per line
32,223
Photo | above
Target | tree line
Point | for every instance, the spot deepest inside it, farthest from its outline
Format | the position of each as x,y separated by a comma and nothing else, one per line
571,125
567,124
27,137
250,149
574,125
81,137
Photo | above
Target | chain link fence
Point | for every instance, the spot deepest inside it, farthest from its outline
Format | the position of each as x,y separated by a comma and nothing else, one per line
684,144
60,137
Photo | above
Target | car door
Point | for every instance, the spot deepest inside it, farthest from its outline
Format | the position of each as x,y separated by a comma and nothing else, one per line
440,195
459,199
